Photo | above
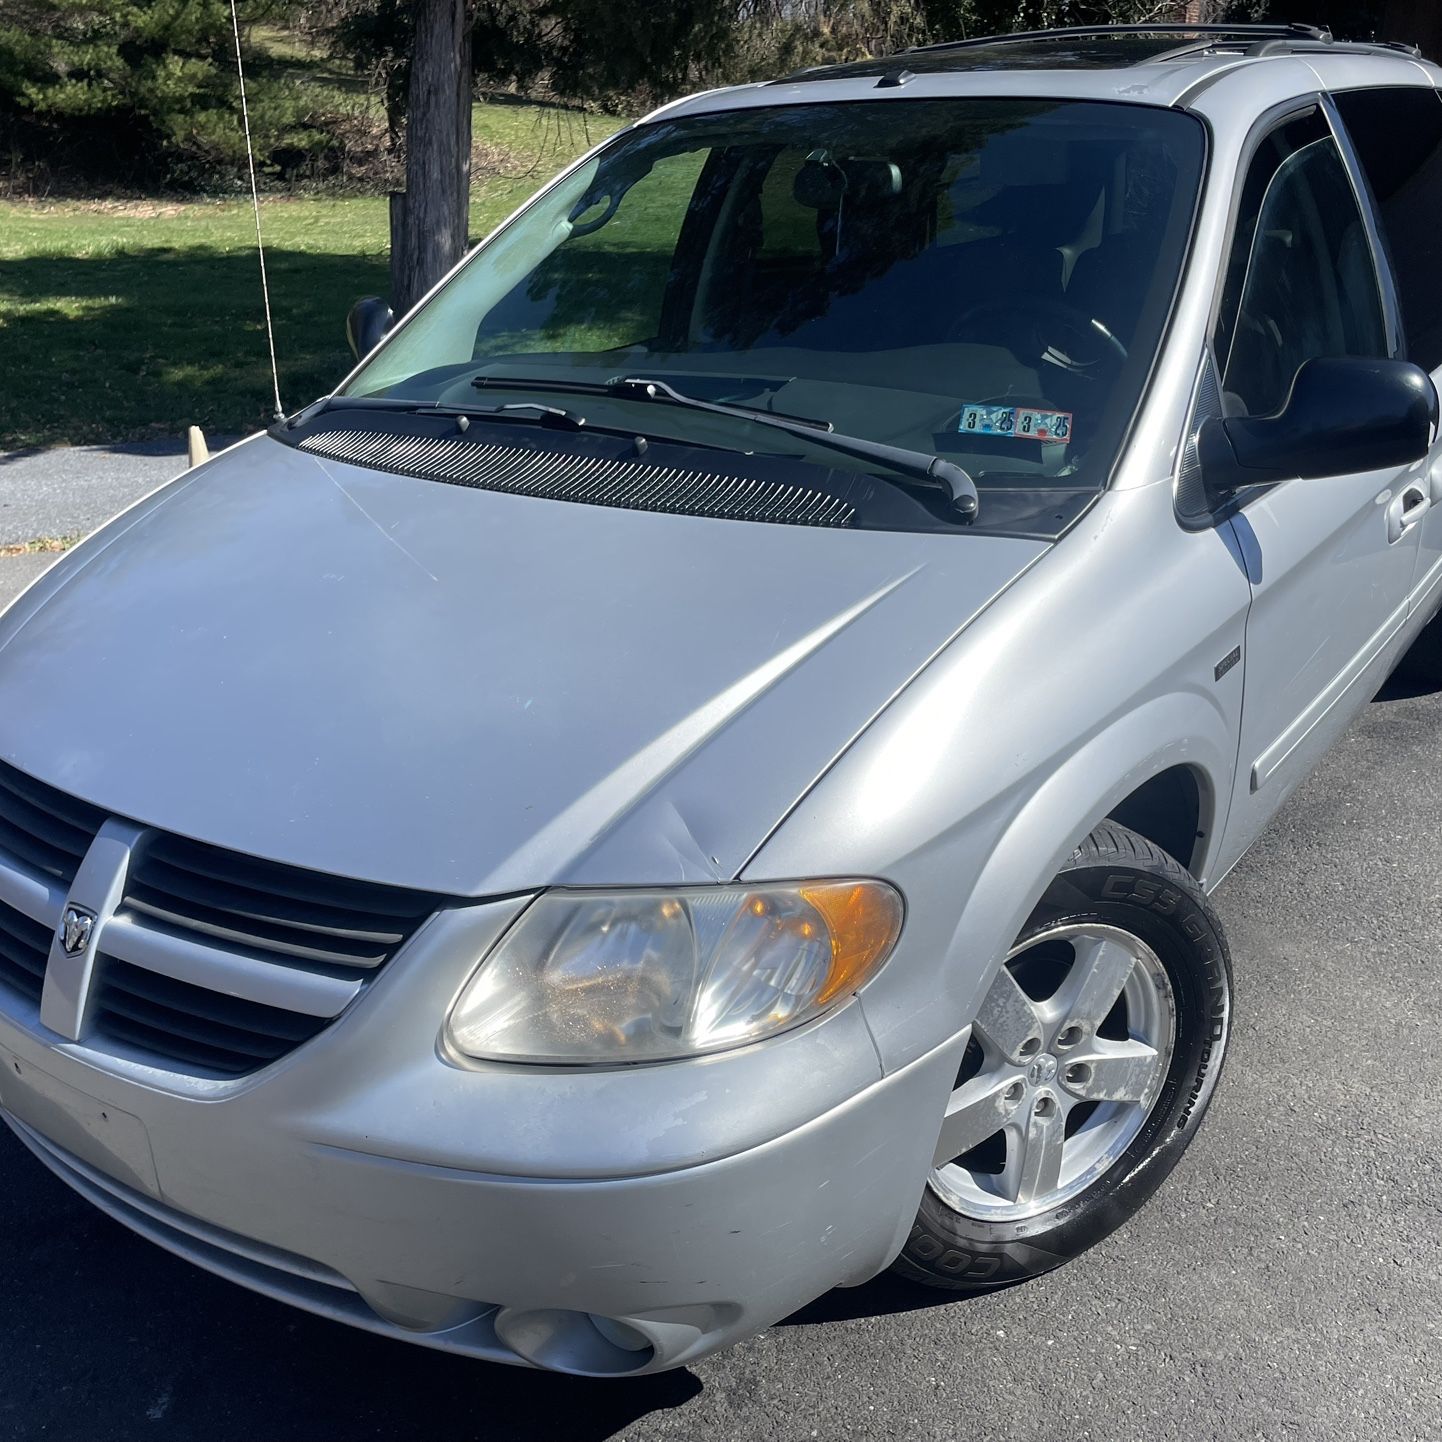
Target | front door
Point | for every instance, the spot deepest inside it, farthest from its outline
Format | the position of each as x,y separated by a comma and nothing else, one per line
1396,132
1331,560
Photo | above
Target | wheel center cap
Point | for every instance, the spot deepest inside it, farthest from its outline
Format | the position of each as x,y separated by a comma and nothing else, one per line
1042,1070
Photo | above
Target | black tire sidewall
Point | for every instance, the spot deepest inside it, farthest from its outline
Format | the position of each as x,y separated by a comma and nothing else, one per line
1162,906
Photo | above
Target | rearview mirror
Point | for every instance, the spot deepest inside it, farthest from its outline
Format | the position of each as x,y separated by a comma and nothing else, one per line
369,319
1345,414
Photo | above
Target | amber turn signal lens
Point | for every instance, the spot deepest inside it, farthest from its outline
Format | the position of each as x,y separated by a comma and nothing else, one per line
864,919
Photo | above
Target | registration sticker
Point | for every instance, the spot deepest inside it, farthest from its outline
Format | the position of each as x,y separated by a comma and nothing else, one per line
1016,421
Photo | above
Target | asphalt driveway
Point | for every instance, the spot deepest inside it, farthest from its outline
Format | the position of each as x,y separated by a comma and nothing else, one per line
1286,1281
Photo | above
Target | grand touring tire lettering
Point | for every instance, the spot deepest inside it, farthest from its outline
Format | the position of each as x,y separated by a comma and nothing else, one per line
1140,891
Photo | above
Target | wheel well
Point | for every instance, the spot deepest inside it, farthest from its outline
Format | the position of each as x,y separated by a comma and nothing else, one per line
1167,810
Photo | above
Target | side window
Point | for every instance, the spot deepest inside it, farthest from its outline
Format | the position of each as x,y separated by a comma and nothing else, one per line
1300,278
1398,138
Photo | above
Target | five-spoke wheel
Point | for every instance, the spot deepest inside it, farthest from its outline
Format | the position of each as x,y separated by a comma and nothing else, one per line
1066,1061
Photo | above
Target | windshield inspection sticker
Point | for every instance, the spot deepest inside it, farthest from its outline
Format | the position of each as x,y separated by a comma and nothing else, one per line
1015,421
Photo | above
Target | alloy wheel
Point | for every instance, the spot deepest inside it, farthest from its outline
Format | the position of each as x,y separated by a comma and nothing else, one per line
1066,1061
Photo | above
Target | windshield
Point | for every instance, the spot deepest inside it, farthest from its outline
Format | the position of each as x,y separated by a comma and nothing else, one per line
983,280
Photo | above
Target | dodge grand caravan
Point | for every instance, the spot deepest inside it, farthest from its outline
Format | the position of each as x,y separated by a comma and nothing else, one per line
695,775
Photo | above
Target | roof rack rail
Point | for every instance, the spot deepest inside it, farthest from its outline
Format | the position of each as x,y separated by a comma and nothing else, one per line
1316,33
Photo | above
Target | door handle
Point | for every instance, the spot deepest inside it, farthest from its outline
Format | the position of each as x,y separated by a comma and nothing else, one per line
1406,510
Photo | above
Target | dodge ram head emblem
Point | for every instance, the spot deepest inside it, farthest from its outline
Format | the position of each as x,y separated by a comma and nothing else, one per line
75,928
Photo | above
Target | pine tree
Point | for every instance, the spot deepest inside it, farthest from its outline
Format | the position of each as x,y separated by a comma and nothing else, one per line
131,91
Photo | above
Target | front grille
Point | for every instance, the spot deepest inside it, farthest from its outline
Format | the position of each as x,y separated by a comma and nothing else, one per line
216,963
227,906
192,1025
42,828
24,945
277,912
596,480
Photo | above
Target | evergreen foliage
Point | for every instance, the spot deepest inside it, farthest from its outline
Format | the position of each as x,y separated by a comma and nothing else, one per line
139,91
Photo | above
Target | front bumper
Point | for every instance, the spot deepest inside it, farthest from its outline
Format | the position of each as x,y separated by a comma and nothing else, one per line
499,1211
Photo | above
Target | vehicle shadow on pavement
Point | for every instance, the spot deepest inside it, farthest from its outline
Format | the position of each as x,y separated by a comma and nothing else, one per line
885,1296
1405,688
107,1337
1417,673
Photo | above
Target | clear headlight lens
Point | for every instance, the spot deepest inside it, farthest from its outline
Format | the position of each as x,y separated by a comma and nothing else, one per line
607,977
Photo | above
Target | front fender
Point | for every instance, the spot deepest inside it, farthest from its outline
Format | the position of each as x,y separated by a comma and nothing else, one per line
970,888
974,788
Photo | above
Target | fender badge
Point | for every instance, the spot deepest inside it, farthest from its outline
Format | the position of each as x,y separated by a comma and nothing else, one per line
1227,662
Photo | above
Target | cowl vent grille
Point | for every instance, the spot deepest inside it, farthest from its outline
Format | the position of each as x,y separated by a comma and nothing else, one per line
597,481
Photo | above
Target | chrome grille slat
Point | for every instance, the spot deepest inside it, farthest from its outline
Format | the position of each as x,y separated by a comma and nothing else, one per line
265,982
34,894
626,484
266,909
197,920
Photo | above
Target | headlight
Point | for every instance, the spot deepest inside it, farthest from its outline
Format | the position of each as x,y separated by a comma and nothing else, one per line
607,977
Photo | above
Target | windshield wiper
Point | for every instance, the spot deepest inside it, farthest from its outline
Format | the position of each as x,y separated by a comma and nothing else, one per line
520,413
929,470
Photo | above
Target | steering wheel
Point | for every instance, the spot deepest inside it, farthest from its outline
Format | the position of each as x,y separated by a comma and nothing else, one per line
1036,329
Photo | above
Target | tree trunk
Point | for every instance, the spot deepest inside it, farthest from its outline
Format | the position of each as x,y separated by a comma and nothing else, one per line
438,152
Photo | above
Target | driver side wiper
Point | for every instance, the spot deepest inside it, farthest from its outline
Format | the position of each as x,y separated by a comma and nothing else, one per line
919,466
518,413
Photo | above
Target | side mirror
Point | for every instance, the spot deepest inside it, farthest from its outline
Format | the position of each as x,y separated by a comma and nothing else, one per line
369,319
1345,414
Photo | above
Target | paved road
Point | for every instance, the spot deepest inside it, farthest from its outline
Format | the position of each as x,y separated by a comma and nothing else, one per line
73,489
1286,1282
69,491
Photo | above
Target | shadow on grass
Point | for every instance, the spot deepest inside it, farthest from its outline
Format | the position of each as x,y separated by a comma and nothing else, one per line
146,342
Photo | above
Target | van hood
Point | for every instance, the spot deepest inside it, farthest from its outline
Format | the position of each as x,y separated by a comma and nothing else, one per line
467,691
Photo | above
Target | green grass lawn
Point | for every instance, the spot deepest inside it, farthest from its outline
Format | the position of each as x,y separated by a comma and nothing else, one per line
127,320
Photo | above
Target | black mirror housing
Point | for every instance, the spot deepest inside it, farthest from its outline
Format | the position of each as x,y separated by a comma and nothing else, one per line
369,319
1345,414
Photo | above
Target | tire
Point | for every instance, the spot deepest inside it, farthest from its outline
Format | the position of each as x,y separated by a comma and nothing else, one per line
1118,897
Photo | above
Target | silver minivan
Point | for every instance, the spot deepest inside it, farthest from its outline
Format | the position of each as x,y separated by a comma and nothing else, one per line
695,775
